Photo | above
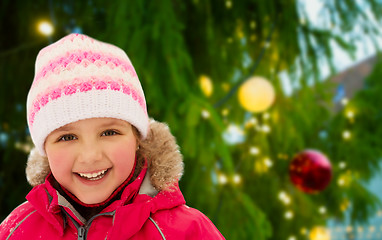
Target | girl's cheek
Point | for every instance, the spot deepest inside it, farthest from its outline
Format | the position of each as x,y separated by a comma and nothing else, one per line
58,159
123,154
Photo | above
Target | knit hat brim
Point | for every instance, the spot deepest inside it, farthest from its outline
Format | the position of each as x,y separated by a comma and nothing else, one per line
93,104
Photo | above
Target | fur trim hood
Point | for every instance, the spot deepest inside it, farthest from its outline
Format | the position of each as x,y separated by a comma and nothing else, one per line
165,162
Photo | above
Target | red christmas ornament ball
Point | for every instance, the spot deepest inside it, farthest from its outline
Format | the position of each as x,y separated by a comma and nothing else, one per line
310,171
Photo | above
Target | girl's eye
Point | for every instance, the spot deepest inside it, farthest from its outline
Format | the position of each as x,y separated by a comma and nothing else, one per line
68,137
109,133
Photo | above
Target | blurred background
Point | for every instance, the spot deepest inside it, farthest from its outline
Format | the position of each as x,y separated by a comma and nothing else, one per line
276,104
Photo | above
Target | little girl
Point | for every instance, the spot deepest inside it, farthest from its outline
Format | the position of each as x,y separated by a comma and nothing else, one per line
100,168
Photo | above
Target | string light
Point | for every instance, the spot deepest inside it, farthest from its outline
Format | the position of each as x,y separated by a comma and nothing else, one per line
322,210
379,214
266,116
346,134
206,85
228,4
225,112
234,134
205,114
237,179
222,179
45,28
268,162
344,101
349,229
265,128
284,198
319,233
342,165
302,21
350,114
25,147
288,215
254,150
344,205
251,122
341,182
252,24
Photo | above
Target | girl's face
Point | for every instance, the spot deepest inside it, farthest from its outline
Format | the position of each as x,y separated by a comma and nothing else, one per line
92,157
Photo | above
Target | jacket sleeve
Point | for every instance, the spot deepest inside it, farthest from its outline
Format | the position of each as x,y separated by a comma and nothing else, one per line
202,227
186,223
14,219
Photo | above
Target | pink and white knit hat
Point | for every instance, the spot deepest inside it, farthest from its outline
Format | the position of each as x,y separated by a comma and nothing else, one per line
79,77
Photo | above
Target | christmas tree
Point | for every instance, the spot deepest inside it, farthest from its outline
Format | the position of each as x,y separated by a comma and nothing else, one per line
211,70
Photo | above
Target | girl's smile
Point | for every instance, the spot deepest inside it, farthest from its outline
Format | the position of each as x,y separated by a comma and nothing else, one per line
92,157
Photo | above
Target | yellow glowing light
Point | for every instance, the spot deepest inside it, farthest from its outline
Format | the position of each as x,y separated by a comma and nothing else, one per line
263,165
228,4
206,86
345,179
236,179
266,116
346,134
265,128
349,229
322,210
240,33
379,213
222,179
254,150
25,147
205,114
268,162
319,233
252,24
303,231
45,28
225,112
256,94
344,205
292,238
341,182
225,87
344,101
251,122
342,165
284,197
288,215
350,114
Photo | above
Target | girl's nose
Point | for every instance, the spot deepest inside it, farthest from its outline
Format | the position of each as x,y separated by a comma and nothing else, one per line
90,152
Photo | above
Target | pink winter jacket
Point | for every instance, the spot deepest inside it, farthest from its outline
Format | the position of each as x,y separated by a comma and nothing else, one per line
142,212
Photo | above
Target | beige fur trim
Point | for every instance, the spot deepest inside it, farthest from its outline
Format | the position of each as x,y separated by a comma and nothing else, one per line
165,162
37,168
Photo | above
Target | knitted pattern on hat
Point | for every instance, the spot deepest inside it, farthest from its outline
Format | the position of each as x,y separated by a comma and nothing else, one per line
79,77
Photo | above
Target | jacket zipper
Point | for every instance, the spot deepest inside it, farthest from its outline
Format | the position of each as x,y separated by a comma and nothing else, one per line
82,230
81,233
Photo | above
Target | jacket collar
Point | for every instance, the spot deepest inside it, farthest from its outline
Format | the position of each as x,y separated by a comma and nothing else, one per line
138,201
49,202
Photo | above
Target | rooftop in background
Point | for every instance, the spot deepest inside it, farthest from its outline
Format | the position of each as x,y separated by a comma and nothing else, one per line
352,79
